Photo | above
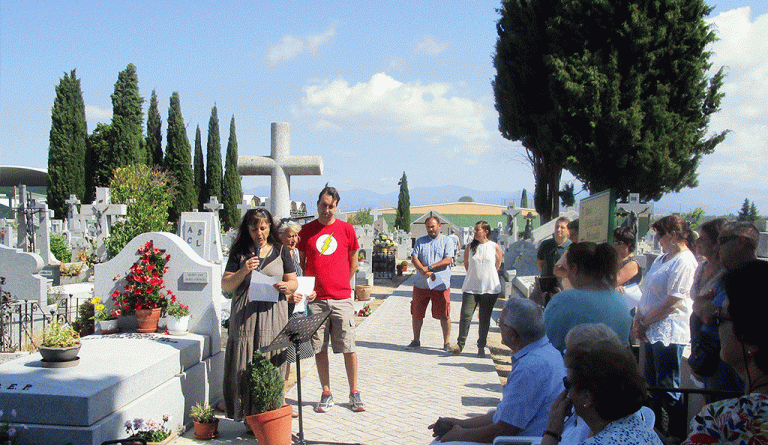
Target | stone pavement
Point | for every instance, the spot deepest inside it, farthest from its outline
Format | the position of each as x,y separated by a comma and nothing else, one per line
404,391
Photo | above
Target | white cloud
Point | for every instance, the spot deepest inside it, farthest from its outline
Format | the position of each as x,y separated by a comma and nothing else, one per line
386,105
741,50
430,47
94,113
291,47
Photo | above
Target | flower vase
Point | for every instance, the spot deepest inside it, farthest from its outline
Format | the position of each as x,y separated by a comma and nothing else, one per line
147,319
105,327
178,325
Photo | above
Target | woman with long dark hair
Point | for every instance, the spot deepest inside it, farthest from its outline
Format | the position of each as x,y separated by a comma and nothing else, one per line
253,324
482,259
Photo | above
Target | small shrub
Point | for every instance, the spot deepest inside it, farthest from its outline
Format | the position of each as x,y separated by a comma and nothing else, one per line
60,248
60,335
265,383
201,413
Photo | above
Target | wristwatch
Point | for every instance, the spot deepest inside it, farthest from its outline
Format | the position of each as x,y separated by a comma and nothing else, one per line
431,269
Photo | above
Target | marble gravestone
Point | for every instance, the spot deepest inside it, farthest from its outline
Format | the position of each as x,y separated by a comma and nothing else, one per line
203,233
126,375
22,275
521,256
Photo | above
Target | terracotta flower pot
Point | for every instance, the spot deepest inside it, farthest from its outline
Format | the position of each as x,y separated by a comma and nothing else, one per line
147,319
363,292
272,427
206,431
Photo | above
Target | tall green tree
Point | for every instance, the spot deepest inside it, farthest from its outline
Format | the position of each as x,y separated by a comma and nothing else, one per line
213,175
97,170
403,214
178,160
126,137
67,145
744,212
361,217
754,215
154,141
199,170
524,199
614,92
232,190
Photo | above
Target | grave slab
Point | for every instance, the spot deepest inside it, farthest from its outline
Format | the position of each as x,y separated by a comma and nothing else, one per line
22,272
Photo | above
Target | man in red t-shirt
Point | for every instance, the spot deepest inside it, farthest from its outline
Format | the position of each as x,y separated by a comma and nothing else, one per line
328,250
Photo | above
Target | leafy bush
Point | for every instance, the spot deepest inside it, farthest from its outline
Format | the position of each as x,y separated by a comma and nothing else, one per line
201,413
265,383
60,248
84,322
148,194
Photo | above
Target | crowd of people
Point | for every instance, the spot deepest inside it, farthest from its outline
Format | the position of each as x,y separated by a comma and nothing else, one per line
574,379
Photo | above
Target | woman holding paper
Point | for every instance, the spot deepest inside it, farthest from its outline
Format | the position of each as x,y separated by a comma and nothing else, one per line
256,258
289,236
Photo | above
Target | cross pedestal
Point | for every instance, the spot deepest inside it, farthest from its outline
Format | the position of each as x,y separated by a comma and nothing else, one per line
280,165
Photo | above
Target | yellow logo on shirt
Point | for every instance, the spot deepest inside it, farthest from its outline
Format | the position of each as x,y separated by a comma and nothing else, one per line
326,244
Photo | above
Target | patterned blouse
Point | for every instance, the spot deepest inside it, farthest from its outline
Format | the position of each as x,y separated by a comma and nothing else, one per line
732,421
628,430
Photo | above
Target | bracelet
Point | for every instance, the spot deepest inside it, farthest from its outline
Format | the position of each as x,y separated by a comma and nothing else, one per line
556,436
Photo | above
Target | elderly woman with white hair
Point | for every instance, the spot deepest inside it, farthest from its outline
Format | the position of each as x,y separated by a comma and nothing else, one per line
288,232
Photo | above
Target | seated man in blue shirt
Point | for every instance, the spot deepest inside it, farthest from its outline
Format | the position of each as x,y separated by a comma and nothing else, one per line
534,383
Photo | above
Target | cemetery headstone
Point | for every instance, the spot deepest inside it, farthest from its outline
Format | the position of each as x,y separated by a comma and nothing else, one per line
521,256
380,225
8,235
73,217
22,274
280,165
202,232
244,207
42,231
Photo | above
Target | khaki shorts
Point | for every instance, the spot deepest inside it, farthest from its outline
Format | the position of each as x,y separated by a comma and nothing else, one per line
339,327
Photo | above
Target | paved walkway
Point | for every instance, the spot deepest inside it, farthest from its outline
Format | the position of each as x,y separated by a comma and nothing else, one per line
404,391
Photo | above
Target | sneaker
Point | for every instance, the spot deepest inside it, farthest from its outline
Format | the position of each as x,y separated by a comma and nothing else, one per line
414,345
326,403
355,402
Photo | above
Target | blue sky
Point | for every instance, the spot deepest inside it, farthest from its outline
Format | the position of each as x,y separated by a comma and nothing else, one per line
375,88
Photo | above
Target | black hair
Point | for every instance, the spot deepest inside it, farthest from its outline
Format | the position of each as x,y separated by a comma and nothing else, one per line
747,306
626,237
243,241
483,225
574,225
597,261
610,373
330,191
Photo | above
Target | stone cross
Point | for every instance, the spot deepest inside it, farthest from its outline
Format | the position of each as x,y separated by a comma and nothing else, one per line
244,207
632,209
511,228
23,220
101,209
376,214
42,229
213,205
73,221
280,166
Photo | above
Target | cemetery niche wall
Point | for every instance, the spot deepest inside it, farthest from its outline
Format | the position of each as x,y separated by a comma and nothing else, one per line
126,375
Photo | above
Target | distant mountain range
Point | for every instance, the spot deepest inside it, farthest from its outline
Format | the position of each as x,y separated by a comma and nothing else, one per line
357,199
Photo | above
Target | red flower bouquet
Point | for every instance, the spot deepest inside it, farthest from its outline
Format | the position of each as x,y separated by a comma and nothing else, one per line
143,286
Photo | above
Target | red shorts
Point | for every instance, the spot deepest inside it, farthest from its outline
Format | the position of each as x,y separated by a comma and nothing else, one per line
441,303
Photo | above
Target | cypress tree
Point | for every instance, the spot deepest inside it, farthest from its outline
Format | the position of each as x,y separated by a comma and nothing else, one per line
67,145
178,162
232,190
213,178
97,173
126,137
403,215
754,215
744,212
154,140
199,171
524,199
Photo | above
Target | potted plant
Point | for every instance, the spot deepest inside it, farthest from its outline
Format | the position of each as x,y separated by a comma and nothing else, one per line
271,418
105,320
206,424
178,318
152,431
144,290
60,345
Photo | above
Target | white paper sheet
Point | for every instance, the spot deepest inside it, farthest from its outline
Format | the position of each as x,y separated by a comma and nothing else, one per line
632,294
262,289
434,283
306,287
